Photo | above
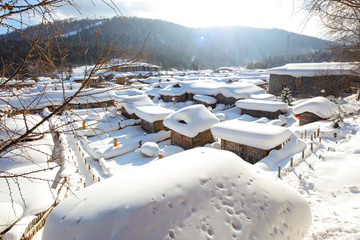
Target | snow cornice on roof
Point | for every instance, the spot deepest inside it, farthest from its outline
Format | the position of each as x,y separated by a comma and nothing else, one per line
317,69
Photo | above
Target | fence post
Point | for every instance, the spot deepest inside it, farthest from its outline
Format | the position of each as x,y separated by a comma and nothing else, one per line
279,172
312,146
303,154
292,162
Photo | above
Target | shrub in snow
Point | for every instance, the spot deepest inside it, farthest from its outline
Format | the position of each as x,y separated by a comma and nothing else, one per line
286,96
201,193
150,149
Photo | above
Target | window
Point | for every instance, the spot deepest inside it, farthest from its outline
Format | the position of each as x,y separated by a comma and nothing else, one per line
284,85
297,84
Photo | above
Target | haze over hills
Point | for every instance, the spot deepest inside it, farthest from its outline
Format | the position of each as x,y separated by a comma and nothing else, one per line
173,45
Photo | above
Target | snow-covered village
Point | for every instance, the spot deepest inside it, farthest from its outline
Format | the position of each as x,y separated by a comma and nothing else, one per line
131,148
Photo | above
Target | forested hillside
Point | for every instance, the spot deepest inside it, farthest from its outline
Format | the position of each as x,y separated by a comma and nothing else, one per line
171,45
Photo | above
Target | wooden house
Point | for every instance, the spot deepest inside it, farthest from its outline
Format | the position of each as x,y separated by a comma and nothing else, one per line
251,141
190,126
207,101
262,108
315,79
314,109
127,104
174,93
152,117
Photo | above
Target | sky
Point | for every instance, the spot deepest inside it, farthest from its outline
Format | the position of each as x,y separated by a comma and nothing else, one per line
282,14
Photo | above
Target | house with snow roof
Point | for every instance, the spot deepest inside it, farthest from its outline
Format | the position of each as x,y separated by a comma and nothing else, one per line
262,108
174,93
152,117
190,126
314,109
127,104
249,140
315,79
205,100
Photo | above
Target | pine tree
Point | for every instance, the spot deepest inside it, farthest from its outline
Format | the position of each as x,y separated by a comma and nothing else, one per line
286,96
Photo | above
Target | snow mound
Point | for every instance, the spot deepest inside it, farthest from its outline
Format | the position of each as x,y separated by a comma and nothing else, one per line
150,149
32,193
319,106
9,214
170,150
202,193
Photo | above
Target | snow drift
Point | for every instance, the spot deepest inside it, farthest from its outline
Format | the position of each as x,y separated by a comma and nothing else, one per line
221,197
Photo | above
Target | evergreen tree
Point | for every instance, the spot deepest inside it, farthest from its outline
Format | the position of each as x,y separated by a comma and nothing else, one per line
286,96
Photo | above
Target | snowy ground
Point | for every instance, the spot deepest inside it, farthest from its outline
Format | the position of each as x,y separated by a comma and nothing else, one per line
329,182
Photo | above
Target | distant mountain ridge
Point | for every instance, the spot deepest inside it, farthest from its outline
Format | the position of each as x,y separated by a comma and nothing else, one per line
173,45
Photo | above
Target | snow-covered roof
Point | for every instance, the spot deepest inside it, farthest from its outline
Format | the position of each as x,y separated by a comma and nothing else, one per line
152,113
14,127
316,69
261,105
263,96
263,136
55,98
212,87
204,98
191,120
132,102
319,106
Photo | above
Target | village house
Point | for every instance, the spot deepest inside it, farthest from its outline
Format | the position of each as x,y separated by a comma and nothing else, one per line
207,101
251,141
174,93
314,109
152,117
190,126
128,104
261,108
315,79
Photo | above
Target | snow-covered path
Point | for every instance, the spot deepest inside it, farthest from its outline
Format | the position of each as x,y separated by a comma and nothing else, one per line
83,171
332,186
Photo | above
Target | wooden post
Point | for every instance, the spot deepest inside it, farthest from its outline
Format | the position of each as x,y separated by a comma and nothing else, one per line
292,162
115,142
98,179
299,176
302,135
160,156
279,172
84,184
334,134
222,144
312,146
305,134
311,137
320,139
83,125
303,154
309,165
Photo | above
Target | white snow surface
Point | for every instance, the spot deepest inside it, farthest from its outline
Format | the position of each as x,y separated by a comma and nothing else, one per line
261,105
152,113
263,136
221,197
316,69
35,191
196,119
9,214
319,106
